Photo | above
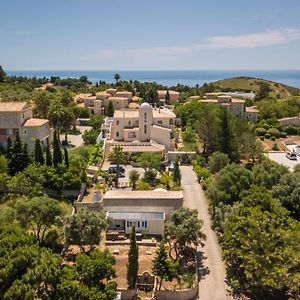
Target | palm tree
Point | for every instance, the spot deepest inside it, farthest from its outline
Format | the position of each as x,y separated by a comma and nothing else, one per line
167,179
118,157
134,176
117,77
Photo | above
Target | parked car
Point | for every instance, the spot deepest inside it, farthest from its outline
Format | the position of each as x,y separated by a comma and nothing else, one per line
172,166
291,155
115,169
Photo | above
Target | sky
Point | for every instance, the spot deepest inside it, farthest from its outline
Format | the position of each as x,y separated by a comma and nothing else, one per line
149,34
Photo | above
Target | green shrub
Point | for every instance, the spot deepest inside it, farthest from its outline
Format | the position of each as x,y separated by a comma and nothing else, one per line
262,138
260,131
143,186
267,135
283,134
275,147
291,130
274,132
273,138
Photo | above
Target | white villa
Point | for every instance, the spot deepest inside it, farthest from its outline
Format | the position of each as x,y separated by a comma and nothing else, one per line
144,126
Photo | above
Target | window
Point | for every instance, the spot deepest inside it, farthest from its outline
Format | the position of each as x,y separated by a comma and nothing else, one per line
159,122
144,224
171,122
117,134
138,224
145,129
25,131
132,135
127,224
117,122
129,122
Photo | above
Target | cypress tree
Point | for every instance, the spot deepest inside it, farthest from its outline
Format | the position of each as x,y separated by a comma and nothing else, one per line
167,97
57,154
48,156
26,156
133,261
227,143
110,110
9,148
176,173
16,160
38,153
66,157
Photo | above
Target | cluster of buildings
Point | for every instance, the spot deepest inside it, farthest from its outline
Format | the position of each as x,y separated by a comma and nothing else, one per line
99,102
236,106
18,116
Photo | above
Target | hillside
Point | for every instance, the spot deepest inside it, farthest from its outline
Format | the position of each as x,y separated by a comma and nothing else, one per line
248,84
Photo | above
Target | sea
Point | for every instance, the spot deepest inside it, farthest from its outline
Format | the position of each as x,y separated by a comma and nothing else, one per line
172,78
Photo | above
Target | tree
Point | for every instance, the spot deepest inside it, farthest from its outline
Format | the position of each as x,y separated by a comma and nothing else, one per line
38,215
217,161
162,266
38,153
95,267
66,158
90,136
27,271
176,173
110,110
287,191
48,156
263,92
9,148
151,96
3,164
85,228
134,176
117,77
263,262
167,99
118,157
227,138
184,229
206,126
2,74
67,121
19,156
57,154
167,179
42,101
133,261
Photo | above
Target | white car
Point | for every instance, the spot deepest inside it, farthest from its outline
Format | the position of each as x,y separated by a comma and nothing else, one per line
291,155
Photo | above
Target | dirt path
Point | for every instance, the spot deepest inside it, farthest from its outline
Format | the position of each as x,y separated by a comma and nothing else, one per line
212,285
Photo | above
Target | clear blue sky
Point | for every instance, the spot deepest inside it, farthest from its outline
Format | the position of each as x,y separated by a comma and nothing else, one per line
149,34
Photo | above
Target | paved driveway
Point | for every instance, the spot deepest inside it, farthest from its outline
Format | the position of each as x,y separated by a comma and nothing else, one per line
76,139
280,158
212,285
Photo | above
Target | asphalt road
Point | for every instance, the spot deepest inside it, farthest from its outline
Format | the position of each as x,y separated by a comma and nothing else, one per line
212,284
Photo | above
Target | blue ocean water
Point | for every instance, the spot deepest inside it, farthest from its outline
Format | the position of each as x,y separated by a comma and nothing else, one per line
170,78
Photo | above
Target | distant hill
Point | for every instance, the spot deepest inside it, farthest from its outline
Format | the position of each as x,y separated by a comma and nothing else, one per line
248,84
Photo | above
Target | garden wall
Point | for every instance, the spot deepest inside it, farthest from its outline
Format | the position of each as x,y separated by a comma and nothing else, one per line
127,294
186,294
184,156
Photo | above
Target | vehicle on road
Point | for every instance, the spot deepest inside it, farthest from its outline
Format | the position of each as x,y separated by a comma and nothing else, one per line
291,155
172,166
116,169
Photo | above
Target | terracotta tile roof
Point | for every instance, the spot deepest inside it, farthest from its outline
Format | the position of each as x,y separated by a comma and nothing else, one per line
117,99
252,109
33,122
235,100
13,106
